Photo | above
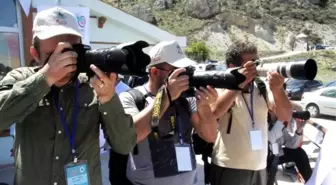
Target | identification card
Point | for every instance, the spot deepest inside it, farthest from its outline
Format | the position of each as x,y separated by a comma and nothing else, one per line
275,148
183,157
77,174
256,140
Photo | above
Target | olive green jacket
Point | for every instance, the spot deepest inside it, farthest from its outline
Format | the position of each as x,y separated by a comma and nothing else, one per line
42,148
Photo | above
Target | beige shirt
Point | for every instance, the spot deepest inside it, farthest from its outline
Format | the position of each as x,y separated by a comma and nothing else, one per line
234,150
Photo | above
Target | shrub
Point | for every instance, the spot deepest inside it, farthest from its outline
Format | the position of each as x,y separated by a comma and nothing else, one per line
198,51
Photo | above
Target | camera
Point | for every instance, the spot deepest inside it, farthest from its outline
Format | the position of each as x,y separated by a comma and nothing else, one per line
303,115
228,79
301,70
125,59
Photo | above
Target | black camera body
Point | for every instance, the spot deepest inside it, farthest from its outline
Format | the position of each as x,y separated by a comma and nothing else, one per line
125,59
303,115
228,79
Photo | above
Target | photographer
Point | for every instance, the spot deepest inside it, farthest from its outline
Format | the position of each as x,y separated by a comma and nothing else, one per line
58,113
165,157
240,151
290,135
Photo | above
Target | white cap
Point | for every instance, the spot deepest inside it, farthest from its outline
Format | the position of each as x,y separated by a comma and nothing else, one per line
53,22
169,52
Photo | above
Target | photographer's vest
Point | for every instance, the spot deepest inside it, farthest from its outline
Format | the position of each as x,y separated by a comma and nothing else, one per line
157,156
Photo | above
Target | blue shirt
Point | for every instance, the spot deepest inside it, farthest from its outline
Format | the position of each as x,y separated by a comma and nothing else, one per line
121,87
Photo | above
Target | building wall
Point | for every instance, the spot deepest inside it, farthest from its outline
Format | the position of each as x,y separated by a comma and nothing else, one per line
113,33
27,26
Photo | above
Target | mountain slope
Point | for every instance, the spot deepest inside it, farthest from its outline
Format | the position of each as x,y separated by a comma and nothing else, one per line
271,24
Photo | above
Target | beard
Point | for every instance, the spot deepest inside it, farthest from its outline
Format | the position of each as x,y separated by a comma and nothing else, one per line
161,81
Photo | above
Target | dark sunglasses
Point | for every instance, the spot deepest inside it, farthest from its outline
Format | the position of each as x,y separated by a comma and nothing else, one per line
165,69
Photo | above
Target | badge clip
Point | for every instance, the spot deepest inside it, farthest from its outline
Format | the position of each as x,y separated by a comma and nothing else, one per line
75,156
75,160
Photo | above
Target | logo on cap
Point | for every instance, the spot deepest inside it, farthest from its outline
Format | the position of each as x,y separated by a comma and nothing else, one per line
179,50
81,21
60,18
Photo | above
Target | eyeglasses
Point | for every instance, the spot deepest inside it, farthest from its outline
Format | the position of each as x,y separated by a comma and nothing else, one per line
164,69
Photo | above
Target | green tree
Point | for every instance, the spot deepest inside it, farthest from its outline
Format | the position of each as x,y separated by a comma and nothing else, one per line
315,39
198,51
312,38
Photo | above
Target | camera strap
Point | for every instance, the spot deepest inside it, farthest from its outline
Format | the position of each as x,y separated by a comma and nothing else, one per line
174,120
157,111
178,124
262,91
250,109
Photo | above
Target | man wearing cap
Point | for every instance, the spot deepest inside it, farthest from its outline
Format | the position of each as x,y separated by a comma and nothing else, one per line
163,154
58,113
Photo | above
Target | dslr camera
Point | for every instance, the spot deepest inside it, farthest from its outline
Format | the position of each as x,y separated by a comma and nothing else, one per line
228,79
303,115
125,59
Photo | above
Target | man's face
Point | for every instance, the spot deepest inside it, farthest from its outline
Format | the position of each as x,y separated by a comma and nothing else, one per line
46,47
248,57
162,72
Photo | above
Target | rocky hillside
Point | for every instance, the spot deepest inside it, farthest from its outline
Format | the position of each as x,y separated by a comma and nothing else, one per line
272,24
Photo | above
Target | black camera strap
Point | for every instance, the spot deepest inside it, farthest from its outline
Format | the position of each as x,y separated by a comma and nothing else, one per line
262,92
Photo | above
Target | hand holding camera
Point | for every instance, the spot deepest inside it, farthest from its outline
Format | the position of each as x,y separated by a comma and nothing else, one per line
103,84
301,118
206,96
177,83
275,81
59,64
249,70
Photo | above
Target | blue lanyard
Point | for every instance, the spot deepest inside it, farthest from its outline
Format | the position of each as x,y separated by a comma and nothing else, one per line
178,121
250,110
178,125
71,135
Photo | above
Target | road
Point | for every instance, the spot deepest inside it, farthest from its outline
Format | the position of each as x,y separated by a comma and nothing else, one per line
284,55
326,121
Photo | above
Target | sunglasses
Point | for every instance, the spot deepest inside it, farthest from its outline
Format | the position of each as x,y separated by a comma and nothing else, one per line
165,69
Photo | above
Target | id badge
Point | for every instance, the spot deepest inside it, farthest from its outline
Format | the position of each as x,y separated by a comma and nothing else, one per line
275,148
183,157
77,173
256,140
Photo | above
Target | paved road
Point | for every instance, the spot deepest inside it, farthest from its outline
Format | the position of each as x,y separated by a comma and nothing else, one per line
284,55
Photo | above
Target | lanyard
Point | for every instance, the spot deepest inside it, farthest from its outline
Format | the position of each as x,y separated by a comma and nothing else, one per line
178,125
71,135
250,110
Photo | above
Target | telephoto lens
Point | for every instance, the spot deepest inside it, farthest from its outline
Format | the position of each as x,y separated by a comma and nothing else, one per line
125,59
228,79
301,70
304,115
